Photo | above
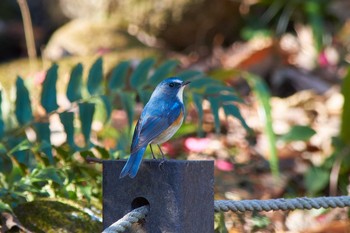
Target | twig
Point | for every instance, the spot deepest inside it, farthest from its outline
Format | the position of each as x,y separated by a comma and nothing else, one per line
93,160
28,29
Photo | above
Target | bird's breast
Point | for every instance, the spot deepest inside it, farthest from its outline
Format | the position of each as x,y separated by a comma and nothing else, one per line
170,131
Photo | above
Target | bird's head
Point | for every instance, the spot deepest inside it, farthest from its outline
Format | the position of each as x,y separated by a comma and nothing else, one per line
172,87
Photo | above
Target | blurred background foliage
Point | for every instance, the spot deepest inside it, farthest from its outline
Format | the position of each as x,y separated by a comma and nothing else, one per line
268,101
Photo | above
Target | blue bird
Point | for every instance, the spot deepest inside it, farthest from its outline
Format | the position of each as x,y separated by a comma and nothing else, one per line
160,119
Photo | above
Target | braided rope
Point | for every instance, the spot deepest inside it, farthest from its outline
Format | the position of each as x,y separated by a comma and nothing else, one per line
241,206
125,223
282,204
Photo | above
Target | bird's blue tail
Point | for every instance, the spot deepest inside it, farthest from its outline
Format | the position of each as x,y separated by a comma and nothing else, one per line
132,165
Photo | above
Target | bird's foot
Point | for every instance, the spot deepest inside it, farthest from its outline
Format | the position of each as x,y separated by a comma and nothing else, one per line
160,165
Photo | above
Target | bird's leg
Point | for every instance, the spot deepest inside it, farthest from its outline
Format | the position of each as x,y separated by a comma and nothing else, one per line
163,160
150,145
160,149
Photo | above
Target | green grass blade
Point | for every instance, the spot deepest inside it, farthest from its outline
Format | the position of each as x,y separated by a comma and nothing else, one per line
262,94
345,117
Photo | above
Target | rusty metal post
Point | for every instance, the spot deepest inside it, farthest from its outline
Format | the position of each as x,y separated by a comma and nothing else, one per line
180,195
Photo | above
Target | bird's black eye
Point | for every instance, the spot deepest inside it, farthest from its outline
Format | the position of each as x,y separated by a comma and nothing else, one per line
171,84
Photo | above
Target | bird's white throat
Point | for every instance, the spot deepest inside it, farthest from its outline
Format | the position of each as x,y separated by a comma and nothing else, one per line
180,94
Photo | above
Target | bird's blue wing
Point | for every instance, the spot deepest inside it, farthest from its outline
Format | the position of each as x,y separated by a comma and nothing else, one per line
151,126
135,137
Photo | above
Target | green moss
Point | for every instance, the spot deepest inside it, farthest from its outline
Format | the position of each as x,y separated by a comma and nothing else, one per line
54,216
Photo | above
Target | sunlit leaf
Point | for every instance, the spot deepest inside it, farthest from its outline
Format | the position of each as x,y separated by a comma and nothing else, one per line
298,133
224,74
75,83
46,174
20,146
219,223
87,153
23,107
86,114
2,148
215,105
4,207
260,221
67,119
95,77
162,72
118,76
102,151
15,175
316,179
21,152
139,77
128,102
64,152
86,190
186,129
25,158
49,93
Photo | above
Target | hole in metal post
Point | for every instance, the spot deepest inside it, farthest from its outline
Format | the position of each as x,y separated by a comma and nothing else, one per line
138,202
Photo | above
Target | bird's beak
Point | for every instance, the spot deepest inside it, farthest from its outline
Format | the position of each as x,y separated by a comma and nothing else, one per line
185,83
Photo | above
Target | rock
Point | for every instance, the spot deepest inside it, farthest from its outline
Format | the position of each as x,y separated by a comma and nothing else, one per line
82,37
178,24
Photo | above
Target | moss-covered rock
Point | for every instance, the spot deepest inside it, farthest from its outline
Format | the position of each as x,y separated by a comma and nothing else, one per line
185,24
178,24
83,37
45,216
